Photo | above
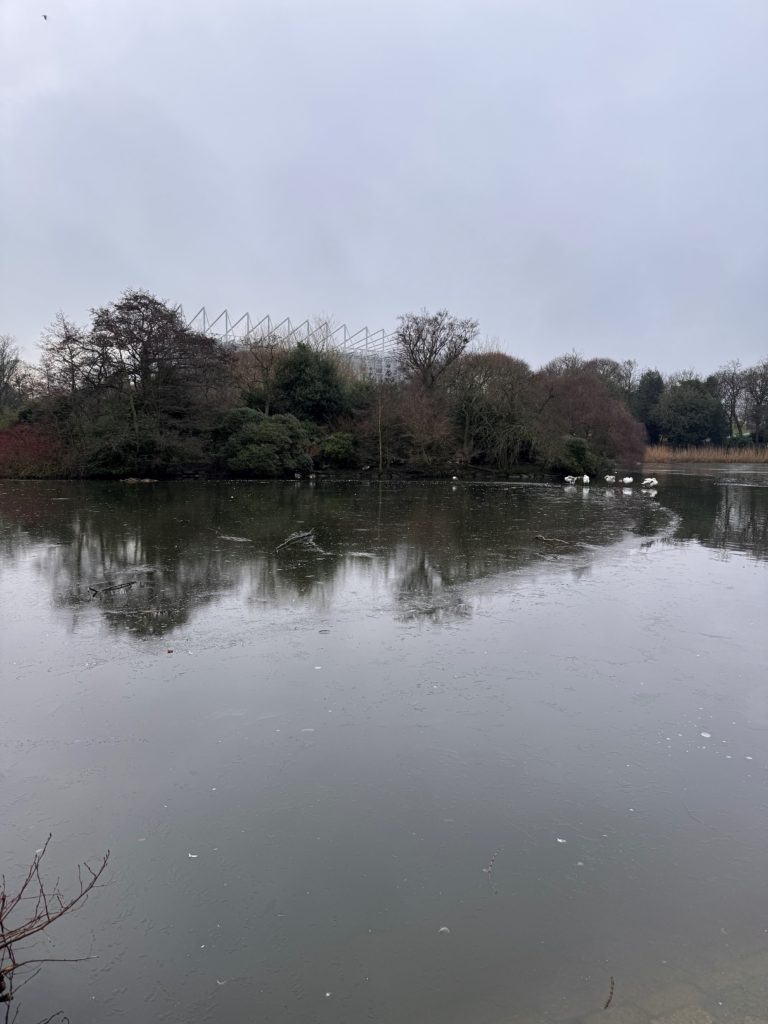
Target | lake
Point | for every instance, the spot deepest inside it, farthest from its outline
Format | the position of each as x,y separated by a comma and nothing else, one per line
468,756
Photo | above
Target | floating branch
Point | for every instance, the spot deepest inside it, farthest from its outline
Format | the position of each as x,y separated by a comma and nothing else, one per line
609,1000
97,591
297,538
555,540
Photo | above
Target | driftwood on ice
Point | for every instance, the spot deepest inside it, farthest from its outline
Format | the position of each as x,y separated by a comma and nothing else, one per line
307,536
96,591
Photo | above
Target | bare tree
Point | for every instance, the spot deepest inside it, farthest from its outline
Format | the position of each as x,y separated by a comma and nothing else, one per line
256,363
489,394
621,377
756,390
561,366
730,381
426,424
66,364
572,402
428,345
10,368
321,330
28,911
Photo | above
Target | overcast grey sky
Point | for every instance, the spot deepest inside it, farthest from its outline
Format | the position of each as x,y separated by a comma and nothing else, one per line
586,174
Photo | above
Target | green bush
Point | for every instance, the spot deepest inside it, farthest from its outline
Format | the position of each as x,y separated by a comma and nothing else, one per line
237,419
339,449
260,460
264,446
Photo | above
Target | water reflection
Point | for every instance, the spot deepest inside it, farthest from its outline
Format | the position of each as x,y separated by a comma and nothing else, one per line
742,514
726,511
185,546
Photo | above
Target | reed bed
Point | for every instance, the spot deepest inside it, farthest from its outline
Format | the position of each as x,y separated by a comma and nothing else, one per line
706,453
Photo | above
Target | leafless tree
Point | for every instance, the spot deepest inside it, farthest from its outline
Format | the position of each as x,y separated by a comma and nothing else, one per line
489,394
730,380
66,365
426,424
562,366
30,909
321,331
621,377
573,401
121,388
256,362
10,367
756,391
428,345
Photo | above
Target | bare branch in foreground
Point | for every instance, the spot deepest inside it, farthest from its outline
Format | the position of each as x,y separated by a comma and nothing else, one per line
27,911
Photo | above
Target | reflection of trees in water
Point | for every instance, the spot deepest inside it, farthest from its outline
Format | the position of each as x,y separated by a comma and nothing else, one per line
742,520
731,515
187,545
305,576
421,590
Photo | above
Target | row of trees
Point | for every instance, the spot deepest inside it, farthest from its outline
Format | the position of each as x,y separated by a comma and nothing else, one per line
730,406
138,393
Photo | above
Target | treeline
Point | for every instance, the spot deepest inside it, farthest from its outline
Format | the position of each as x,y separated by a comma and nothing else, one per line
136,392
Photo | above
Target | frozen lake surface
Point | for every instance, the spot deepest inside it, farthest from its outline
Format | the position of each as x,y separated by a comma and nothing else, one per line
470,755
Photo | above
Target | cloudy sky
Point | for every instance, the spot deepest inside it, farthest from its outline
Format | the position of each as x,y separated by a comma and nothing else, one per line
588,174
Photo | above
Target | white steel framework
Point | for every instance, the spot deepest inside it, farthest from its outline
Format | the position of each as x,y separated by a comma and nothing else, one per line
373,352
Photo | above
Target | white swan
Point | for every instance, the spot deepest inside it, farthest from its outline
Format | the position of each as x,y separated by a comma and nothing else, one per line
585,479
650,481
570,479
610,479
627,479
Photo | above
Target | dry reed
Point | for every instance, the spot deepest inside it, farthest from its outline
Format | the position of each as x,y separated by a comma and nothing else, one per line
706,453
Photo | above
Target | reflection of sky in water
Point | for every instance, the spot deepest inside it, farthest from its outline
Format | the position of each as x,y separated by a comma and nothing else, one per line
347,739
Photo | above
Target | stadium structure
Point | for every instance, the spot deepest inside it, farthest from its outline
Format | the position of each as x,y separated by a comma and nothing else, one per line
369,353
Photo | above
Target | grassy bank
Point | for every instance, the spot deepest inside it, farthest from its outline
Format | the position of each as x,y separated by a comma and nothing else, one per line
706,453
